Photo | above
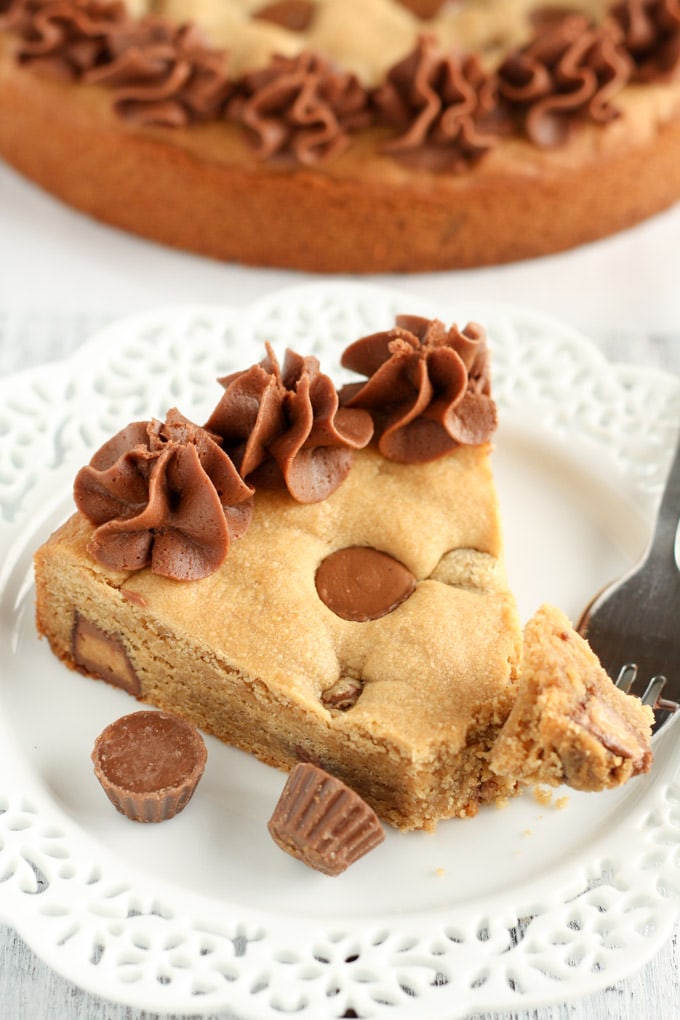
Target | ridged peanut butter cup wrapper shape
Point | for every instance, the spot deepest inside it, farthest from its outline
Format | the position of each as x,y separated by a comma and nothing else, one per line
323,822
149,764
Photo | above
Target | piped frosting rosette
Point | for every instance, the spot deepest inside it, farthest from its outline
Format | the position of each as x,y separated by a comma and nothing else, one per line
161,73
428,387
301,107
163,495
570,71
652,34
283,426
444,106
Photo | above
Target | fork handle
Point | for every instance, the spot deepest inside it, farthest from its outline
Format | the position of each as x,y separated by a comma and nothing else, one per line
665,537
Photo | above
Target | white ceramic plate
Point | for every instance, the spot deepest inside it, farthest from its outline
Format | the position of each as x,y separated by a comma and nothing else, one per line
537,903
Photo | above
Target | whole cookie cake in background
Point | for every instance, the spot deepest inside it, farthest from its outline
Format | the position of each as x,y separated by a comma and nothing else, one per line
346,136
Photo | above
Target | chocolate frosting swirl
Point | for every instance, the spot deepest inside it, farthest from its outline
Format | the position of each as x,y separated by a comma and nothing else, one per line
570,70
445,106
428,388
63,39
300,107
285,427
163,495
161,73
652,33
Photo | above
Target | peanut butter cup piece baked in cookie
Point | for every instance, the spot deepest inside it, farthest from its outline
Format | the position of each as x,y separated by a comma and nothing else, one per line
348,135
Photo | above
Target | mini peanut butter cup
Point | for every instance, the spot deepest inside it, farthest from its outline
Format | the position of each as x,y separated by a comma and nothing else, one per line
149,764
323,822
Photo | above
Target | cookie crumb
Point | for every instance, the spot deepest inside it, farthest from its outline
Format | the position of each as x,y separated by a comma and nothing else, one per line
543,795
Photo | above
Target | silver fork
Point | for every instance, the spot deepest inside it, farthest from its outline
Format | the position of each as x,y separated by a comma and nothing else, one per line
633,625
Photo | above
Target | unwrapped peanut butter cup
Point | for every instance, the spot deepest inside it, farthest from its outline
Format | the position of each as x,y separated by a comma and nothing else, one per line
323,822
149,764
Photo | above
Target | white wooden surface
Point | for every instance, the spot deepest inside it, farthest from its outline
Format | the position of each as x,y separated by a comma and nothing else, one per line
62,276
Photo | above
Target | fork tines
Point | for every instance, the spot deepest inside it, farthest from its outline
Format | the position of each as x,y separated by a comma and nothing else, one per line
652,693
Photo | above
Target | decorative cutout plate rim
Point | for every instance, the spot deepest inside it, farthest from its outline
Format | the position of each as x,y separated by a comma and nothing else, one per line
149,942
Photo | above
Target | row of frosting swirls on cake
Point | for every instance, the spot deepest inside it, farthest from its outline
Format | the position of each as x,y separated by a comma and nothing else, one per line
438,106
